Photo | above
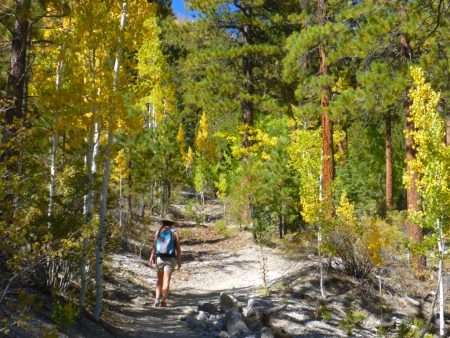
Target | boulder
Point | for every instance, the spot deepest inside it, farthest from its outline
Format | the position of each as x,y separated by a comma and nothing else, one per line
234,323
208,307
202,316
266,332
228,303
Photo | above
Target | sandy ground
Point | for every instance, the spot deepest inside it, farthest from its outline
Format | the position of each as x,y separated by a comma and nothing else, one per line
212,264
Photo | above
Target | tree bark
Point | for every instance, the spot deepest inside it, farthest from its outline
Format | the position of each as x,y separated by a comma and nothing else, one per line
105,179
248,107
412,194
17,74
389,176
14,112
130,195
327,124
447,131
55,136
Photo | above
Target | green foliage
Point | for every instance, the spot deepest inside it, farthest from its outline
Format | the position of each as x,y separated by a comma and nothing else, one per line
221,228
64,313
305,159
359,244
361,174
413,329
325,313
432,161
193,212
353,319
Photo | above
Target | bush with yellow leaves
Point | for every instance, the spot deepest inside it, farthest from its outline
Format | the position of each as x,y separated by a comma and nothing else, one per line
356,245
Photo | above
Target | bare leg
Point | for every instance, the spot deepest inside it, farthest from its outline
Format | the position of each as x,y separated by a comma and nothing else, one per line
159,284
165,285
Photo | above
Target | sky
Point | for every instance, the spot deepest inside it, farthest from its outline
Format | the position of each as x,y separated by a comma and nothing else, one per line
180,10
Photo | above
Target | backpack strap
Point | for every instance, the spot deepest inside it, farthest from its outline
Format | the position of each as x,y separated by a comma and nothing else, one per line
156,236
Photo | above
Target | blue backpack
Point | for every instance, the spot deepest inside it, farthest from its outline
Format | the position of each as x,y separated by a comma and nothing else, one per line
165,243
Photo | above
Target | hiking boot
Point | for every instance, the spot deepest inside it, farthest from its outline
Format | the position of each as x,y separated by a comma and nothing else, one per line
157,303
163,304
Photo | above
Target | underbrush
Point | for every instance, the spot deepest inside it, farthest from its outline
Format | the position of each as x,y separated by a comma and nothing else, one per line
221,229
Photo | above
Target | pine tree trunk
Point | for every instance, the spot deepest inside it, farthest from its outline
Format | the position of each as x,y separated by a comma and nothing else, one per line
105,180
389,176
327,124
17,75
14,112
412,194
323,291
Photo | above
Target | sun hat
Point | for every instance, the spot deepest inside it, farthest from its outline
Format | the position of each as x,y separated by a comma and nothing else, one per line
168,218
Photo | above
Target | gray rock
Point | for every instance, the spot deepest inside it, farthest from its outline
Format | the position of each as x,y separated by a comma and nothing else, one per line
195,324
256,305
219,323
266,332
208,307
228,303
203,316
234,323
188,310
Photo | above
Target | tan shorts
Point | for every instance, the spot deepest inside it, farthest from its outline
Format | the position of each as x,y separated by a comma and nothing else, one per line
167,264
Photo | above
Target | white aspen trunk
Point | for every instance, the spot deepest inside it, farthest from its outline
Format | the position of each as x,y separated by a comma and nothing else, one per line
55,137
152,116
91,168
105,180
441,281
120,202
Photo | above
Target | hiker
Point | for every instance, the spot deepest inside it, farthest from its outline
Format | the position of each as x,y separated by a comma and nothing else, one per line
165,255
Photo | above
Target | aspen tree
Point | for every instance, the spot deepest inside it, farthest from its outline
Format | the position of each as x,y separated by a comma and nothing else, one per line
431,169
106,173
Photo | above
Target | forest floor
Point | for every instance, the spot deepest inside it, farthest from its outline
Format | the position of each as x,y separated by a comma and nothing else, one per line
214,263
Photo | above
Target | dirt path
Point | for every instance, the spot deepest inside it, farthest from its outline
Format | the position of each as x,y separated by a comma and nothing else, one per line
212,264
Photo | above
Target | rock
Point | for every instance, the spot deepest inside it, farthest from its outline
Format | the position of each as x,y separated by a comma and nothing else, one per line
234,323
208,307
266,332
202,316
228,303
259,312
195,324
219,323
256,305
188,310
223,334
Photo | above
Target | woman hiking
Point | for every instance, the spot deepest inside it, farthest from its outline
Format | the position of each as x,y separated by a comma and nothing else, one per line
165,255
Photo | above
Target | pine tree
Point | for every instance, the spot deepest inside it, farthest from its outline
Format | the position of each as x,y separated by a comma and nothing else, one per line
316,62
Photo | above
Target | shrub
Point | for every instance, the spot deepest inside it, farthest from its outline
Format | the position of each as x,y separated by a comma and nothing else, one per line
358,245
352,320
222,229
64,314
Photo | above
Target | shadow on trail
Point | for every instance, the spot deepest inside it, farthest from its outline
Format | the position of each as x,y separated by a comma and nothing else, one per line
148,321
199,241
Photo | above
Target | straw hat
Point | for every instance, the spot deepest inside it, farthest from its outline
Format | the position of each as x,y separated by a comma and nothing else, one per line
168,218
